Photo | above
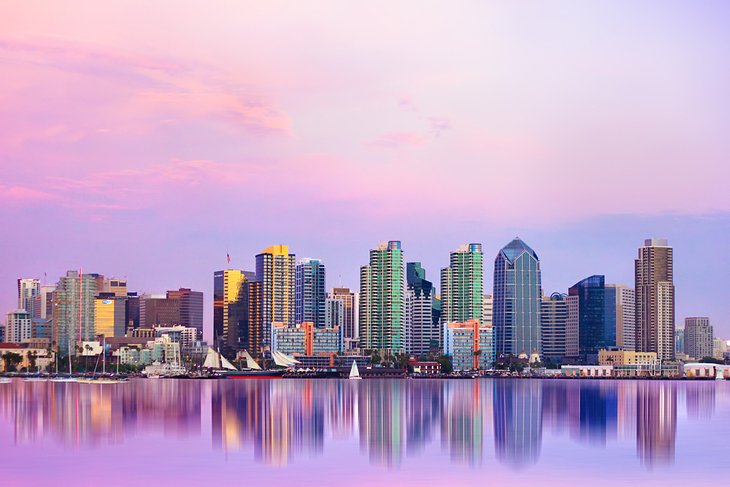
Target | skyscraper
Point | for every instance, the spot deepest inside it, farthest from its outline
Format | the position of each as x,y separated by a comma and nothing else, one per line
382,299
698,337
625,305
654,275
488,309
422,333
311,293
231,305
190,308
553,318
275,269
517,299
350,303
596,317
28,289
462,285
74,302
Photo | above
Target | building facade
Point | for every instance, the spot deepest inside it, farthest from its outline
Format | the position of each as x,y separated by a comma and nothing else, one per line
654,278
74,307
422,331
110,315
698,337
553,322
310,294
382,299
28,289
596,317
624,300
470,345
517,299
275,269
306,339
234,324
462,285
18,326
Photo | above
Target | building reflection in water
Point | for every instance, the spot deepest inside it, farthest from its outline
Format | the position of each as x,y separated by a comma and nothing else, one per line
656,422
518,421
278,421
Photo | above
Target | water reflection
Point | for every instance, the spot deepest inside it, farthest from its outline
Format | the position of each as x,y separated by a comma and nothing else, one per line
277,422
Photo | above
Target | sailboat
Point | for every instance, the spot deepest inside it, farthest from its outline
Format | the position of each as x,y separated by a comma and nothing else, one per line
70,377
253,370
354,372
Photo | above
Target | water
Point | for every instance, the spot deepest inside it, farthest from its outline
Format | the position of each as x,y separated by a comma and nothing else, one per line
365,433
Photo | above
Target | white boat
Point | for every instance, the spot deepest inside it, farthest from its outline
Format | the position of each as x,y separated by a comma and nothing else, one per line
354,372
5,380
283,360
157,369
63,379
35,379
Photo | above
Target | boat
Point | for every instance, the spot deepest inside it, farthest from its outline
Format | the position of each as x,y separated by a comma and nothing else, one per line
156,370
354,372
5,380
252,371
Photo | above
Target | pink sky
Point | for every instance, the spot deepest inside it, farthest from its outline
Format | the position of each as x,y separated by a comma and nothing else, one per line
175,129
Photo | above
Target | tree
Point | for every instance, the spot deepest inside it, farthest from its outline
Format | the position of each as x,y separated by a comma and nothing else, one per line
31,360
446,365
11,360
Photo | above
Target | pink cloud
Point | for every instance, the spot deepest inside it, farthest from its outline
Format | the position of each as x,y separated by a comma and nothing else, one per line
23,194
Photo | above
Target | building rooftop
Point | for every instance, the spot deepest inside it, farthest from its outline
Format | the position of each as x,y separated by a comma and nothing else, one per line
515,248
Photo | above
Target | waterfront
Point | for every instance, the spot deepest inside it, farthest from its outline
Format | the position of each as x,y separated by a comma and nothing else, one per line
328,432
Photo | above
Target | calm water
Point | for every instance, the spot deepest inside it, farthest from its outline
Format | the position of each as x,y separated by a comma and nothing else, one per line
369,432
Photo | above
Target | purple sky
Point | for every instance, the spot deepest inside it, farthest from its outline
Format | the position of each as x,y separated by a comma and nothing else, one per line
148,141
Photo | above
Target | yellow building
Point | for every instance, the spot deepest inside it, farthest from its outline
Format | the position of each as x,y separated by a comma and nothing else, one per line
625,357
230,307
109,316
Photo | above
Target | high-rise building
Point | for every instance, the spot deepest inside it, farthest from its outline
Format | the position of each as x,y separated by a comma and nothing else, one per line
132,311
625,306
462,285
470,345
334,313
157,309
275,269
654,275
382,299
191,308
554,318
18,327
74,307
517,299
698,336
28,289
110,315
571,330
232,303
422,332
596,317
350,330
310,292
719,348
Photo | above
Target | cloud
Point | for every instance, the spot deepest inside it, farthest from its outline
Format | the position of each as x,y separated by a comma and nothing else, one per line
24,194
438,125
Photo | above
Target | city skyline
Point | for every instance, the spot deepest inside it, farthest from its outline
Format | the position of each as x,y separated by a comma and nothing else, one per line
153,156
720,324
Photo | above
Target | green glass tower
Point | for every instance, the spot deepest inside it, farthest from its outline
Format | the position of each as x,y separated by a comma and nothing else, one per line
382,299
462,285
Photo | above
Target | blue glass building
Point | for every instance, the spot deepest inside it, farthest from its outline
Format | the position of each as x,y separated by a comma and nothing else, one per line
596,316
517,299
